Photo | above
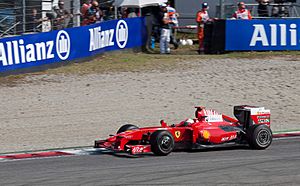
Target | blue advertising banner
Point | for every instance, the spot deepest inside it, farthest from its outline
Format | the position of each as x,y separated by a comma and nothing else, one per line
269,34
69,44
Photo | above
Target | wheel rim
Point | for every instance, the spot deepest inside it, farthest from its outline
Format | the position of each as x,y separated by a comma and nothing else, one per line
165,143
263,138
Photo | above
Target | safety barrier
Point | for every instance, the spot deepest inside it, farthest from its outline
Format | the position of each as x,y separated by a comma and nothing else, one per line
214,37
252,35
70,44
258,35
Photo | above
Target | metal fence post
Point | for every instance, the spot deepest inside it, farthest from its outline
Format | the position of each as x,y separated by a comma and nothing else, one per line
24,16
76,12
222,9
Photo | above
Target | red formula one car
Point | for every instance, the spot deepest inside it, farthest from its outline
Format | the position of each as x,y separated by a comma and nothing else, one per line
207,129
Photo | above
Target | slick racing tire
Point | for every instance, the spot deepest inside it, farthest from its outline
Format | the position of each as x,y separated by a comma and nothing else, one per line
259,137
126,127
162,142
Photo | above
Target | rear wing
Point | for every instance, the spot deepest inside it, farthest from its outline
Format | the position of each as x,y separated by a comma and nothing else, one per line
252,115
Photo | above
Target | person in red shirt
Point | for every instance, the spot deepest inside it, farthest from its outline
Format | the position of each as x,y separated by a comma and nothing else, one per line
201,18
83,10
242,12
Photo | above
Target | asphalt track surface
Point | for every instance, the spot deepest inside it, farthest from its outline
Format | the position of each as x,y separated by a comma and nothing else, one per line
277,165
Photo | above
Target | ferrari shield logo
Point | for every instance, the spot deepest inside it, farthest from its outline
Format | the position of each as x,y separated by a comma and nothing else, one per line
206,134
177,134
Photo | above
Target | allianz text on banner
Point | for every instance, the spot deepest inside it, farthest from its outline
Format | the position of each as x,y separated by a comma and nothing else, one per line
269,34
74,43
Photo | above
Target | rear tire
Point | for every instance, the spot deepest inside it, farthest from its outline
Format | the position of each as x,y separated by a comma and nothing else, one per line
126,127
162,142
260,137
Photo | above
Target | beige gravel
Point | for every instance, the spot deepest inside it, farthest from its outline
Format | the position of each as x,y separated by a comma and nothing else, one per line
56,111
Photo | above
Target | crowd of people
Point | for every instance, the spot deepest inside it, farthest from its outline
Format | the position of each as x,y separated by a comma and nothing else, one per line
56,19
279,9
169,20
166,19
59,17
91,13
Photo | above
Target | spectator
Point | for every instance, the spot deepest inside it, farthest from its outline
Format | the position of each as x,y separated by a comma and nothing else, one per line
242,12
280,10
262,8
147,12
132,12
108,13
94,14
128,12
34,21
124,12
154,22
83,11
201,18
173,15
165,30
99,15
62,16
85,6
174,22
49,24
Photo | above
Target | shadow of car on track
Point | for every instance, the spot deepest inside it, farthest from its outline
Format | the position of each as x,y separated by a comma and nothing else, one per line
127,155
210,149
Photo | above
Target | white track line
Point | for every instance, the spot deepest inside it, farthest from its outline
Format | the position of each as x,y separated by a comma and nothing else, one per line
85,151
285,138
291,132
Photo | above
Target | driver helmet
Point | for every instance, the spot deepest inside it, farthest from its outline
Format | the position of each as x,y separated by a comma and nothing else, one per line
188,122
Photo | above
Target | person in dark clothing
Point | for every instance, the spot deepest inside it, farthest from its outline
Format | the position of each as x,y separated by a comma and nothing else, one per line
149,19
262,8
165,30
33,21
62,16
156,12
94,14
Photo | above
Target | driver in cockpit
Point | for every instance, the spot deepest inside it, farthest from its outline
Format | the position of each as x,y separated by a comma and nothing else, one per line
187,122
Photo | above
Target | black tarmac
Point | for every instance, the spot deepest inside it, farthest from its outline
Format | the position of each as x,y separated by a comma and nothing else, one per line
277,165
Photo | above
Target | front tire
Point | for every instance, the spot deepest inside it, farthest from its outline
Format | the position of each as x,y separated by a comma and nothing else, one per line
260,137
162,142
126,127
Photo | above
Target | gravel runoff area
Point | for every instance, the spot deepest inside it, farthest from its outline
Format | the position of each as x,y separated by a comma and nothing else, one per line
56,111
